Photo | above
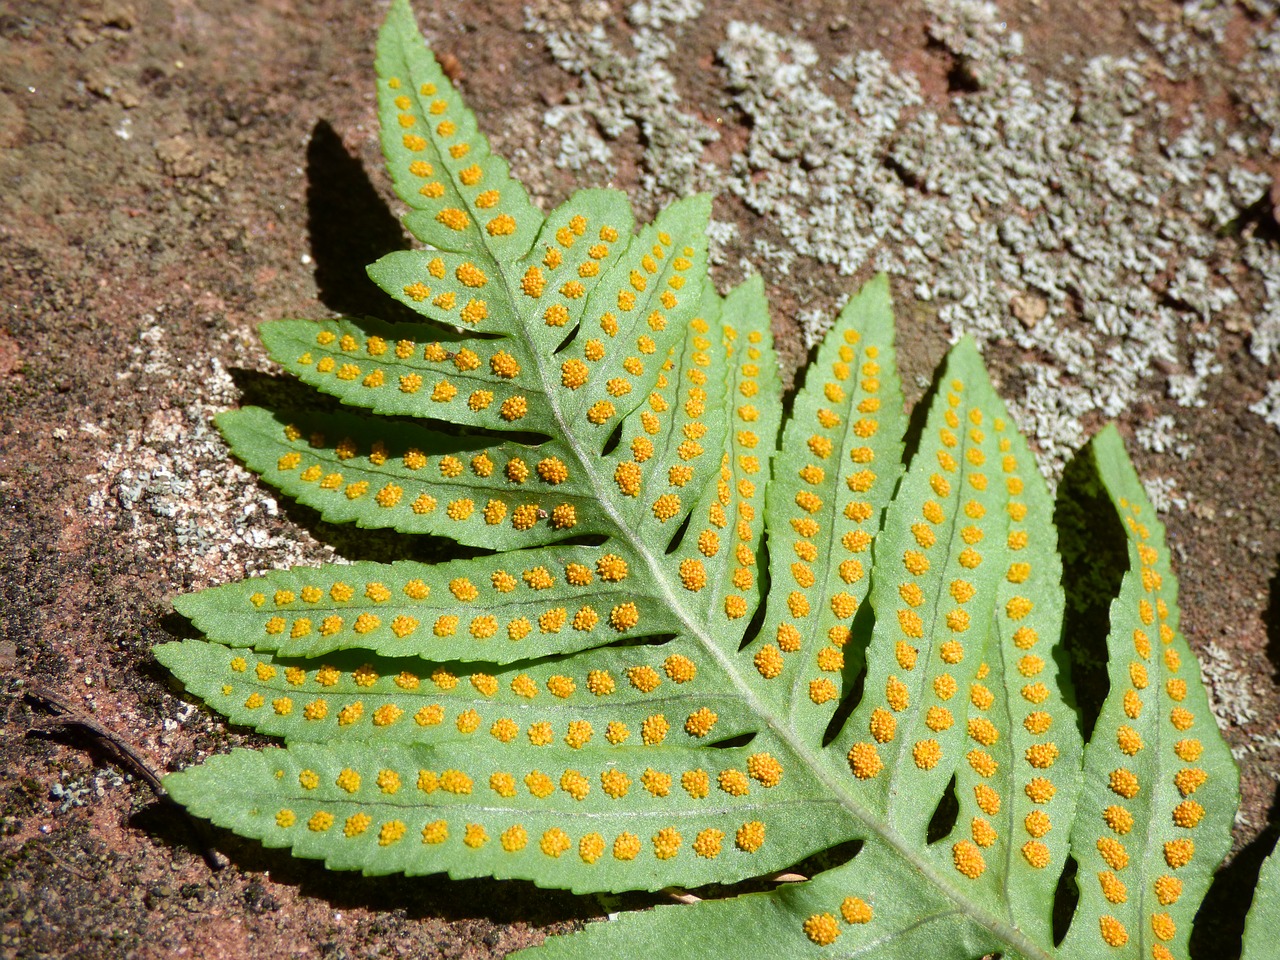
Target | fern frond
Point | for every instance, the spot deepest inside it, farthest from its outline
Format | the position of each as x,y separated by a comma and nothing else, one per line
598,701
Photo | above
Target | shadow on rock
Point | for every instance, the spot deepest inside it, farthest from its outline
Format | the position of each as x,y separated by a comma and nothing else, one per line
351,227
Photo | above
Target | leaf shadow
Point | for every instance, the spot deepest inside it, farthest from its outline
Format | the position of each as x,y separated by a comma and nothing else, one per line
1271,622
350,226
1095,556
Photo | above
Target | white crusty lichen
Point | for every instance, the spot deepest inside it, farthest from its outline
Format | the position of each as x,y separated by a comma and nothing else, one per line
1048,216
624,92
1026,206
1268,408
1161,435
168,487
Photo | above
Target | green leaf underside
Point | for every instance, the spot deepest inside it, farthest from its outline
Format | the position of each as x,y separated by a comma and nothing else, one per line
584,707
1161,787
1260,941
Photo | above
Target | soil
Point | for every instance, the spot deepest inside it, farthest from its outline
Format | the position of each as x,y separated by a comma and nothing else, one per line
172,174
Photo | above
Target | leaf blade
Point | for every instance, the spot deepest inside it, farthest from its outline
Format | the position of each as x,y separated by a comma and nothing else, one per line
1160,784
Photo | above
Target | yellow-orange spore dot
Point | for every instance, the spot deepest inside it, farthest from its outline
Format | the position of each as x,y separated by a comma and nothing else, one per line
696,783
1128,739
708,842
356,824
982,762
945,686
1113,852
864,760
575,784
1018,607
514,838
615,783
1113,931
601,682
1042,755
856,910
503,784
349,714
917,564
988,800
1118,819
983,730
926,753
765,769
700,722
1168,889
654,729
679,668
504,730
938,719
600,411
538,578
1163,927
1138,675
750,836
1178,853
555,842
983,833
1188,750
540,734
733,782
624,616
1124,783
822,929
666,506
626,846
910,623
769,661
1188,814
968,859
1040,790
553,620
386,715
822,691
1037,823
1132,704
897,695
830,660
435,832
656,782
1035,693
455,782
1113,888
1189,780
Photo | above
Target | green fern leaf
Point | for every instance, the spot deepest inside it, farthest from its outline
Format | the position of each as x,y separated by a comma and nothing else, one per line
1161,785
598,701
1264,915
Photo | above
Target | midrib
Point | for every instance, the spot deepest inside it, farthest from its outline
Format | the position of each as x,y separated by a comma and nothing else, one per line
657,564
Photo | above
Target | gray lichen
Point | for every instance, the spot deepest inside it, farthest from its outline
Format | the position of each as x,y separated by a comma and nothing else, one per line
623,93
1043,215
